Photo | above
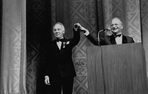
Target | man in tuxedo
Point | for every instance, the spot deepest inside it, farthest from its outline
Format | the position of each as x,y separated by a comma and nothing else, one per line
60,70
115,38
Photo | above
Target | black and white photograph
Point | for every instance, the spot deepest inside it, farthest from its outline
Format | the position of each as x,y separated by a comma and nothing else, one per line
73,46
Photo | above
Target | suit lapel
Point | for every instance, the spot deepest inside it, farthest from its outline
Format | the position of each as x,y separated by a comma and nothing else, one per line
124,39
112,39
57,50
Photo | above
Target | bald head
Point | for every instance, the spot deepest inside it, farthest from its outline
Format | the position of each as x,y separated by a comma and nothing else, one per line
58,30
116,20
116,25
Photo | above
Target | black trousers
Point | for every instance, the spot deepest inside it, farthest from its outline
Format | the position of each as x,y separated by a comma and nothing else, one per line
64,84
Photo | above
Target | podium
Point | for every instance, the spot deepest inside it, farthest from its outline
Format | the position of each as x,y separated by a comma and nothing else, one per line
116,69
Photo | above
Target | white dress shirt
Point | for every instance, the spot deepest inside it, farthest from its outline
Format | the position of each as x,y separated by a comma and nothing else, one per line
119,39
59,43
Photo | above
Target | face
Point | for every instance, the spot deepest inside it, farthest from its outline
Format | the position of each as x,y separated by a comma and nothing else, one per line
116,25
58,31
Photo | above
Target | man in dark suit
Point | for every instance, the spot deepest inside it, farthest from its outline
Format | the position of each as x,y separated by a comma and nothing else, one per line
60,70
115,38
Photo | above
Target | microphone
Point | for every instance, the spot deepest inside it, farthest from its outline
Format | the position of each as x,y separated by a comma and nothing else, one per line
108,29
103,30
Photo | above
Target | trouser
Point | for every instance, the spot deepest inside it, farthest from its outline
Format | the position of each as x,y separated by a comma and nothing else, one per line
64,84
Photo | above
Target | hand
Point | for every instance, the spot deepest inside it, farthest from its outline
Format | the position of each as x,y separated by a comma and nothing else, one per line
86,32
82,29
77,26
47,81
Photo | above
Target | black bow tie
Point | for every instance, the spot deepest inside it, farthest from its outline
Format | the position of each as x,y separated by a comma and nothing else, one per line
57,40
117,35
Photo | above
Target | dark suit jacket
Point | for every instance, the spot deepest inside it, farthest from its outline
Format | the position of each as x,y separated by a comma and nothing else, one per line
60,63
108,40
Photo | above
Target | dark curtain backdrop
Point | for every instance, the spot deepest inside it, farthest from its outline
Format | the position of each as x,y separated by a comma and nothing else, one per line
38,35
92,14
